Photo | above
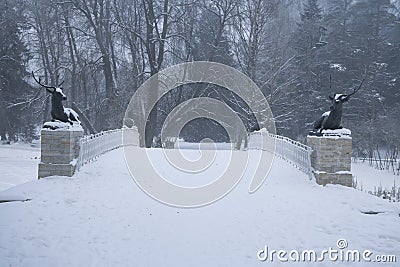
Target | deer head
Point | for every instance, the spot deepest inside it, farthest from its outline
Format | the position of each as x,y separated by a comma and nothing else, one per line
339,99
57,93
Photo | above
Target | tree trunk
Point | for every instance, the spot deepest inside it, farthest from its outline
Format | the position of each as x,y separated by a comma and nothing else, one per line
151,122
3,119
72,56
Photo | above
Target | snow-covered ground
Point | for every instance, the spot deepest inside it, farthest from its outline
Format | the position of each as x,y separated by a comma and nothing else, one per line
18,164
99,217
369,178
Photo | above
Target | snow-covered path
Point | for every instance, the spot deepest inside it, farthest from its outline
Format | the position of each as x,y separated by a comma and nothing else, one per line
100,217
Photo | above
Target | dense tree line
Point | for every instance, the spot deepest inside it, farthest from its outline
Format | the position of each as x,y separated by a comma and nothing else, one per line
104,50
14,118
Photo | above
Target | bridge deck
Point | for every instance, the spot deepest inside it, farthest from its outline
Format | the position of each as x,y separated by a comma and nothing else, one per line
99,217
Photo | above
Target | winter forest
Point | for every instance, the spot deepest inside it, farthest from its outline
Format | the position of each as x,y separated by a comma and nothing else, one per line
103,50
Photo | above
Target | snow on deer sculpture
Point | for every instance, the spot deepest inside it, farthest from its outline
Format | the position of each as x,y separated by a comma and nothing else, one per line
58,112
332,119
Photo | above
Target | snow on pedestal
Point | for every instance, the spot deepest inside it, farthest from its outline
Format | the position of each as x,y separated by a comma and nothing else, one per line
331,157
59,148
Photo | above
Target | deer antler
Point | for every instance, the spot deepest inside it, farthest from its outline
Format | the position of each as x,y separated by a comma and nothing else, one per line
58,77
330,88
43,85
355,90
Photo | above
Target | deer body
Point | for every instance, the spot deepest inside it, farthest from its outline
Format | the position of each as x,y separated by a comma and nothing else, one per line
331,119
58,112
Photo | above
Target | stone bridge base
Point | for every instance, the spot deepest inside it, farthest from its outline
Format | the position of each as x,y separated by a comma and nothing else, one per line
331,159
324,178
59,151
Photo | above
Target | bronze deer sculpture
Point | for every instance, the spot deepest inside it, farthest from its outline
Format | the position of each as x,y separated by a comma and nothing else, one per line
332,119
58,111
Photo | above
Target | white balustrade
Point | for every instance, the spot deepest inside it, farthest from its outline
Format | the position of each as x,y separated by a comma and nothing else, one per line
94,145
292,151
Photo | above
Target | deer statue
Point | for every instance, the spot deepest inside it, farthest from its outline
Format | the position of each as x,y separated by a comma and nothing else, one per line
58,112
332,119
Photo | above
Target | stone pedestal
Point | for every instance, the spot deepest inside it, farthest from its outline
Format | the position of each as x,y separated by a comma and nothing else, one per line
331,158
59,151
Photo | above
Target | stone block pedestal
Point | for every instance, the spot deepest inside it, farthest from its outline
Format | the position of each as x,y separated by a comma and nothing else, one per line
331,158
59,150
324,178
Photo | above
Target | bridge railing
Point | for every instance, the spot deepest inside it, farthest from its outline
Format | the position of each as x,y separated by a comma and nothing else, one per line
94,145
292,151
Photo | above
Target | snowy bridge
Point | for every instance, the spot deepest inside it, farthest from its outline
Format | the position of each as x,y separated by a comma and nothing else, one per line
296,153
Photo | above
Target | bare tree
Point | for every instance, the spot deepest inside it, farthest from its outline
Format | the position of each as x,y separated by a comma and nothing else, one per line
99,19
